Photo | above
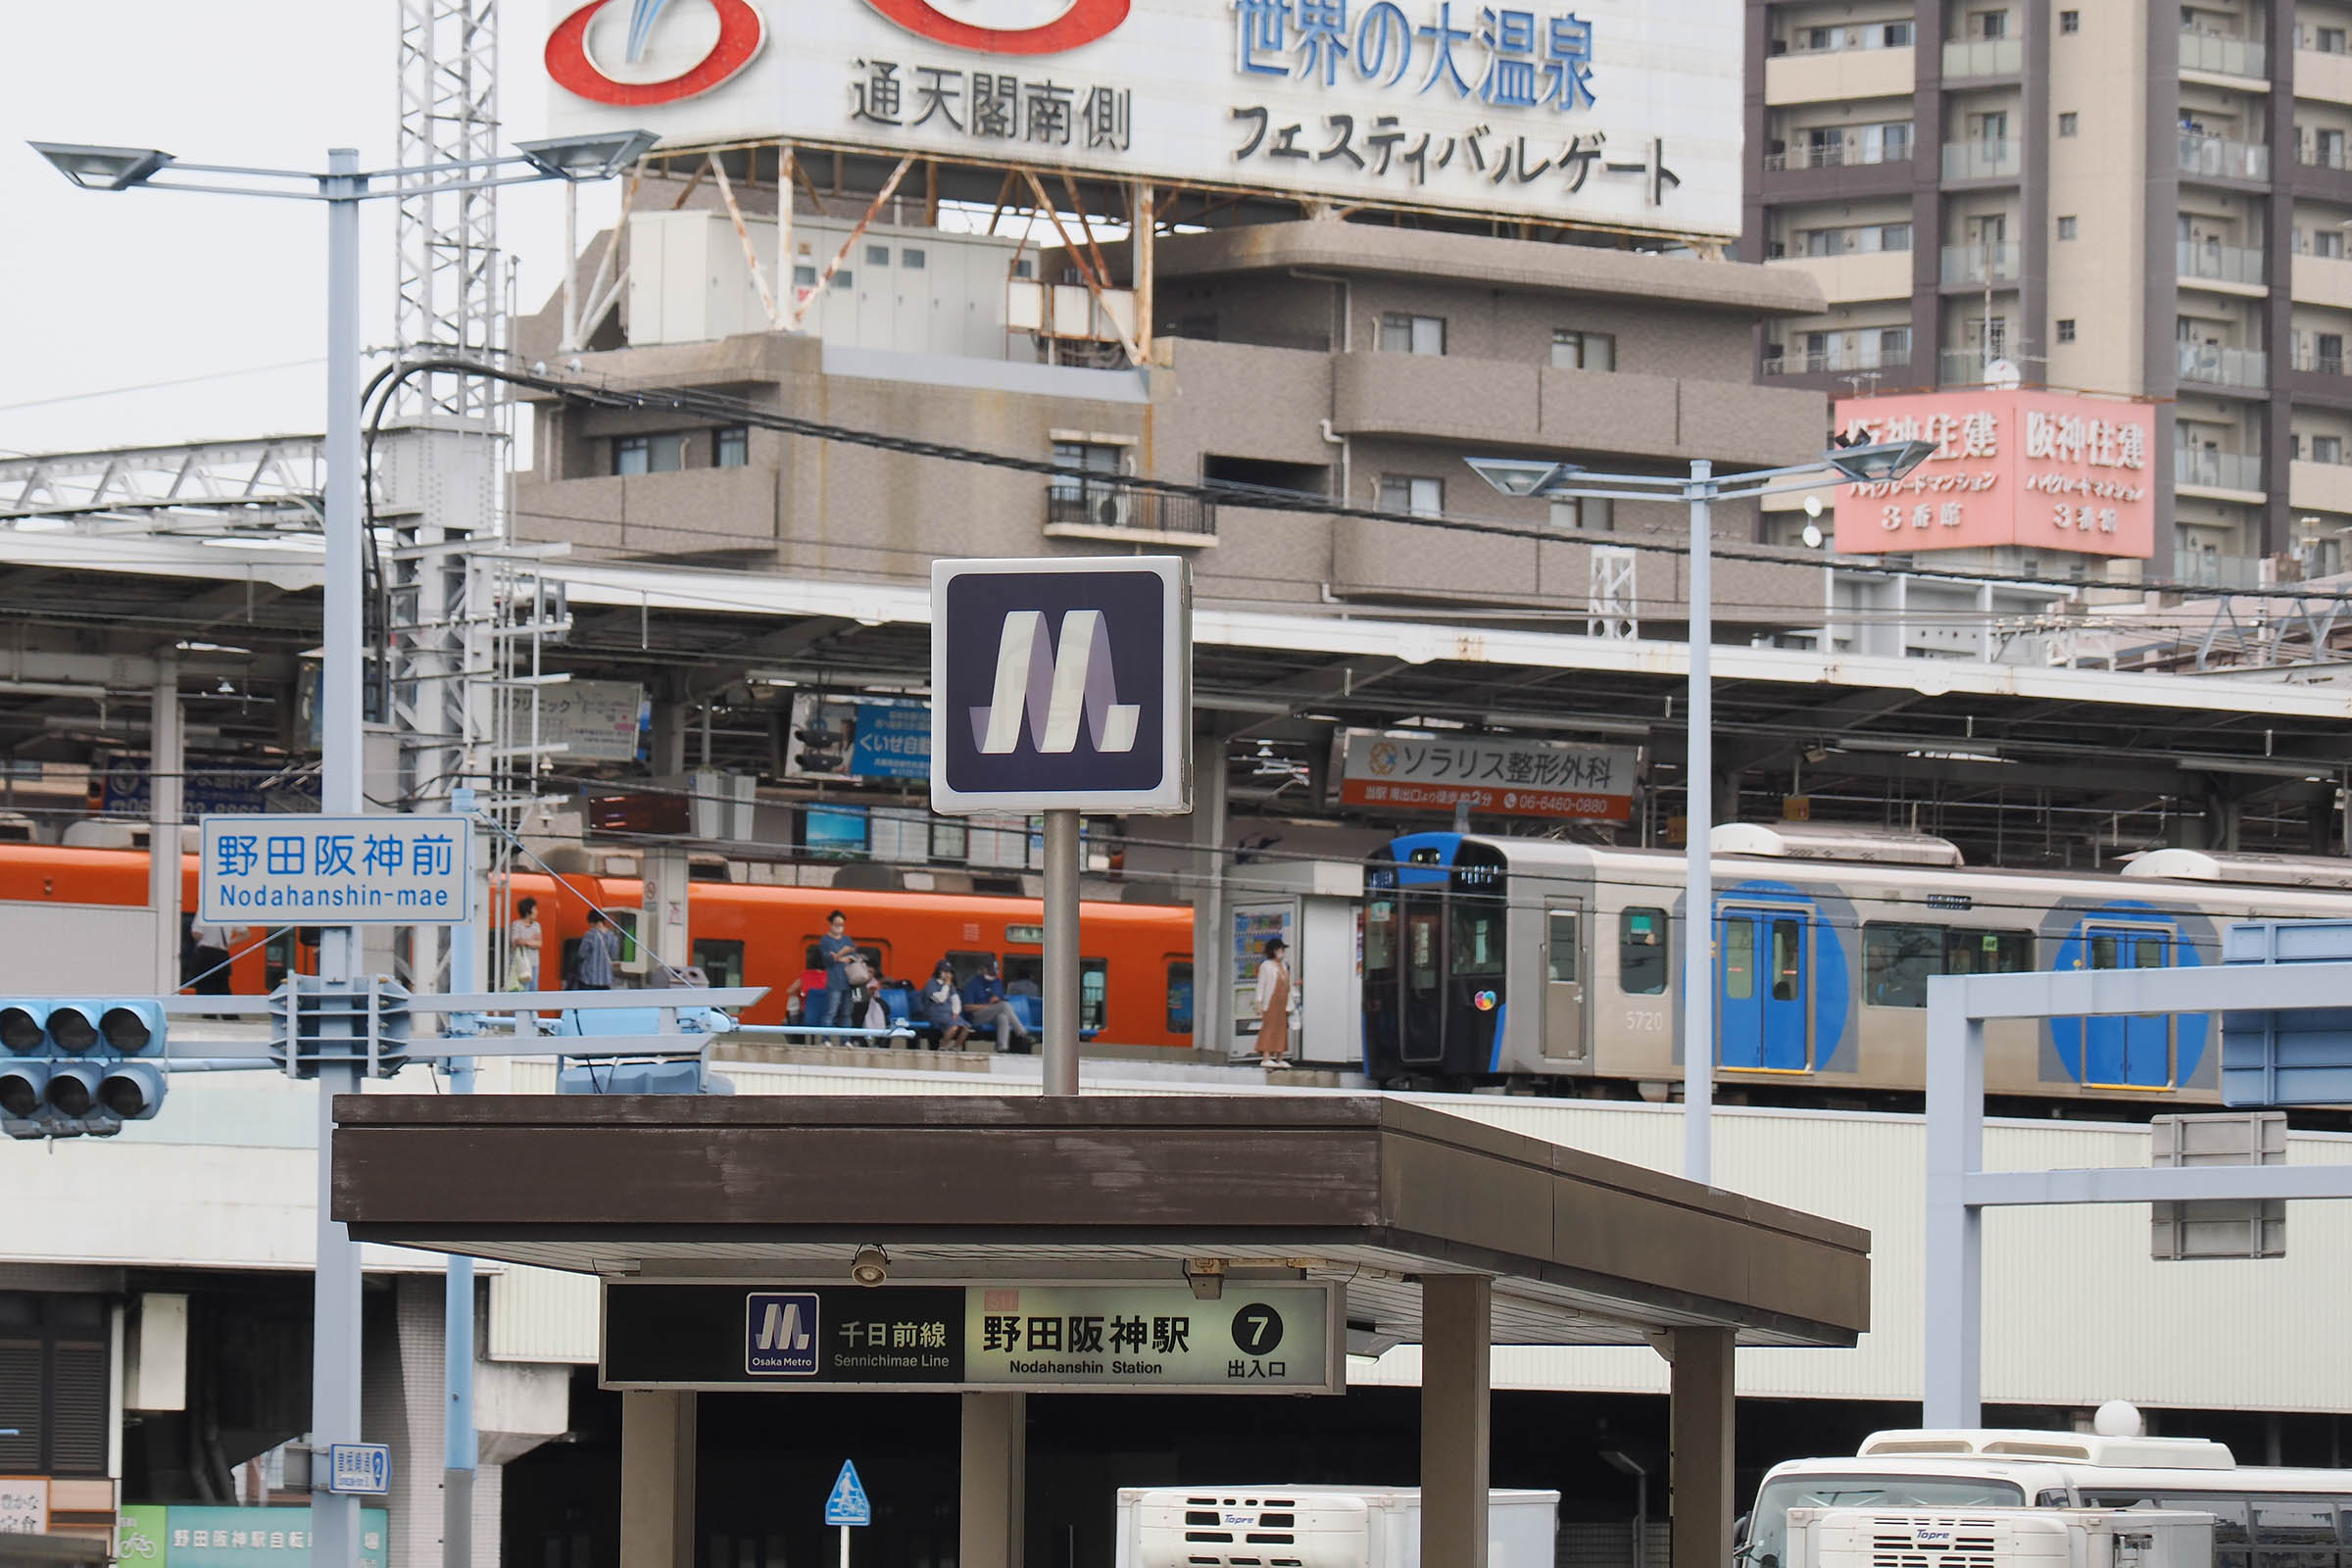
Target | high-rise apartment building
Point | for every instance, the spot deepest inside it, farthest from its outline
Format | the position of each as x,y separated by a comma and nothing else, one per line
2118,196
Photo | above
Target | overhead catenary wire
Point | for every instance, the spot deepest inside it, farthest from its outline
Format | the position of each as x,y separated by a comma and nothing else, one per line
723,409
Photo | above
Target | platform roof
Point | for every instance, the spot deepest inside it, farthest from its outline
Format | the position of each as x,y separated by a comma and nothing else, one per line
1367,1190
1986,741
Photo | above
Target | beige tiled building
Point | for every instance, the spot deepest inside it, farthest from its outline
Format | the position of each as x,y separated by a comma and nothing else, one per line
1339,360
2112,195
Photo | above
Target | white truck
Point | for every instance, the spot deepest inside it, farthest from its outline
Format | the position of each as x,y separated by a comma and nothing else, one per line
1999,1538
1315,1527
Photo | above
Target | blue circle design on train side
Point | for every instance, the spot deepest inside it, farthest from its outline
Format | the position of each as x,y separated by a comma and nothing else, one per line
1832,973
2130,1051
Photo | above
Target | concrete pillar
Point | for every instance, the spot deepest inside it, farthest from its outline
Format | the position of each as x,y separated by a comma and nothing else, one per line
1456,1417
1701,1438
662,930
993,1506
657,1479
1213,985
167,761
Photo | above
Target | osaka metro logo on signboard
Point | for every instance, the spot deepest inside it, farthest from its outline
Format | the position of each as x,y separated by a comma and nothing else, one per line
1060,683
662,53
779,1334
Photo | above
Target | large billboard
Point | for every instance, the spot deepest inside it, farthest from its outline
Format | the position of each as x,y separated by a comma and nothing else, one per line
2034,469
1618,113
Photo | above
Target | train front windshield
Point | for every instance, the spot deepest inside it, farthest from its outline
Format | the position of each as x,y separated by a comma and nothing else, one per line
1434,943
1767,1543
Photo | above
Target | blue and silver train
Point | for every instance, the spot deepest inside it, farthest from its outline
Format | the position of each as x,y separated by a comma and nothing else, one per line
1535,961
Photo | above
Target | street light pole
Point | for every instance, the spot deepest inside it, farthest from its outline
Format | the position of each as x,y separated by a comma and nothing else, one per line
1698,822
1535,479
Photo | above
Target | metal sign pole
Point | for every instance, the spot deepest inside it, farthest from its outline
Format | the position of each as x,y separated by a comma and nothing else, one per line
335,1302
1062,955
845,1547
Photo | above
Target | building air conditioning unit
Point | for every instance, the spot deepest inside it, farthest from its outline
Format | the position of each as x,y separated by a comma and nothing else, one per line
1999,1537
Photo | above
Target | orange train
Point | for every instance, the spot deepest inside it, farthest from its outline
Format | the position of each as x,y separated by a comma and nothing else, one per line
1136,963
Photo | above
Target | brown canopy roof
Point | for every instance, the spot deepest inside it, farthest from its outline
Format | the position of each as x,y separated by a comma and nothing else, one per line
1372,1190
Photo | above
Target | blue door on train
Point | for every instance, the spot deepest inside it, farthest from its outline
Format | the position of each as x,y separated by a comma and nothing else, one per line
2146,1050
1761,988
1434,975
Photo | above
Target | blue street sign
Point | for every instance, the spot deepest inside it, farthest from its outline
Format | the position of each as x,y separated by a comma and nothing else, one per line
363,1468
848,1505
293,868
1061,684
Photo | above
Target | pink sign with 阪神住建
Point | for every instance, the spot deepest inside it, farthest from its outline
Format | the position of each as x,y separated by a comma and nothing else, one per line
2041,470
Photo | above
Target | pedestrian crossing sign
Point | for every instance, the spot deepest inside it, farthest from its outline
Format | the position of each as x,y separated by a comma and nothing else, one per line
847,1505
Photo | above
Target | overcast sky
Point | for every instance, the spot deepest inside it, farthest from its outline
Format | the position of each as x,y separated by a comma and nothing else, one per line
104,291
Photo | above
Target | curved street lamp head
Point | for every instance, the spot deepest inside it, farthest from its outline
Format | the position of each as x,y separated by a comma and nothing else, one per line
1522,476
103,168
1879,461
600,155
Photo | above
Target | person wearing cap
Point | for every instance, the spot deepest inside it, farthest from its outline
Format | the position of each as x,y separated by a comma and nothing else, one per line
984,1007
1274,1006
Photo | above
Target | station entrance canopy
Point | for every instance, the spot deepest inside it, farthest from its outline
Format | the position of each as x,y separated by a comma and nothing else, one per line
1370,1192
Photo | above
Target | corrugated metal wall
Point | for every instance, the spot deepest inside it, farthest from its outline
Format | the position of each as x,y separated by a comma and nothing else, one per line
2075,1311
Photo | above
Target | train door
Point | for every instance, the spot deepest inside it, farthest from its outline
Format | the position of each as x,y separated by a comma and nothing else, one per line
1563,983
2134,1051
1423,1039
1761,984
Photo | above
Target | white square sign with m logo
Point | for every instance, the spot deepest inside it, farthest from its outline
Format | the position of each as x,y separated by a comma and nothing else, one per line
1061,684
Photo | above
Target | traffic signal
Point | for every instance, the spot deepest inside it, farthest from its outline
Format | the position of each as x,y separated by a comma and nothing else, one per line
73,1066
311,1019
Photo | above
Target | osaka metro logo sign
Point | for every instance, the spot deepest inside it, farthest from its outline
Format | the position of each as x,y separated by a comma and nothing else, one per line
1061,683
652,51
779,1334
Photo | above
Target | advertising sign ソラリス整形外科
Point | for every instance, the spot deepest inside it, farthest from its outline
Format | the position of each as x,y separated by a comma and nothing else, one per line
1617,112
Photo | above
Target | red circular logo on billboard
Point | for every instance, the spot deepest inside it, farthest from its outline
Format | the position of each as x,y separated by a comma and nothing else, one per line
1084,23
575,69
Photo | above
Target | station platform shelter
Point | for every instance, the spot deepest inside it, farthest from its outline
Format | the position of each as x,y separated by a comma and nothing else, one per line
1439,1230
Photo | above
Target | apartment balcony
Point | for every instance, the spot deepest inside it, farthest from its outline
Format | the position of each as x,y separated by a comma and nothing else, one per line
1840,76
1856,275
1837,155
2224,55
1969,264
1113,511
2219,158
2211,260
1981,159
2209,364
1837,362
2221,571
2319,487
1984,57
2217,470
2312,362
2324,74
2323,280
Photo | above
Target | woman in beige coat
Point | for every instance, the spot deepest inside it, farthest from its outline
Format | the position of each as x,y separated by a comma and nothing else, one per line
1274,1006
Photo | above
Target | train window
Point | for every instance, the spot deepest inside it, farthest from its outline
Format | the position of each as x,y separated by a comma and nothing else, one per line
722,962
1784,959
1967,951
1896,961
1739,959
1421,947
1380,936
1641,953
2147,953
968,964
2103,953
1180,996
1477,938
1898,958
1093,992
1024,974
1559,938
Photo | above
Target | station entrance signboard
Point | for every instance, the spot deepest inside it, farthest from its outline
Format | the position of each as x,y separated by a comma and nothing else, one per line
1006,1336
